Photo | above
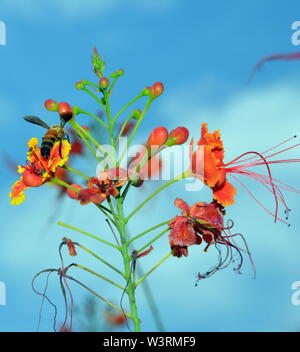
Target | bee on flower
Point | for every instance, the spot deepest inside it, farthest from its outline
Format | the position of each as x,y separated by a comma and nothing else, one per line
39,169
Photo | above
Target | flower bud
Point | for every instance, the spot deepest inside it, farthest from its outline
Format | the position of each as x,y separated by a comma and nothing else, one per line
72,194
51,105
76,110
104,82
147,91
120,72
136,113
65,109
32,179
138,183
158,136
157,89
79,85
178,136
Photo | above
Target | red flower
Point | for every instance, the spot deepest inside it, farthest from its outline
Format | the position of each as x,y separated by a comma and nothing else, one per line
101,187
200,221
203,221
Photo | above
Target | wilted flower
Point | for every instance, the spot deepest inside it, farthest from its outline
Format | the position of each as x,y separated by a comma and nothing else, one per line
200,221
205,221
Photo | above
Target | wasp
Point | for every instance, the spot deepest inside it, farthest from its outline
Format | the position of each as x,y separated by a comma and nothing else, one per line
55,133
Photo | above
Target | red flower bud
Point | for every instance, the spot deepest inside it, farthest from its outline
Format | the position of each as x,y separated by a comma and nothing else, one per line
64,108
157,89
104,82
72,194
178,136
32,179
51,105
85,128
158,136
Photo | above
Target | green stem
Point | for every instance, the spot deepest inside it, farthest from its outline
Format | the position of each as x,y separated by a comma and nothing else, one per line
149,101
127,266
82,136
127,106
98,296
100,276
151,270
122,129
153,240
113,84
60,223
101,260
94,117
110,124
104,211
180,177
149,230
76,172
94,97
62,183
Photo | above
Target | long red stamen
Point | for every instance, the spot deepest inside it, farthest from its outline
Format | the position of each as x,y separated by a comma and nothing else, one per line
237,160
265,181
264,161
259,203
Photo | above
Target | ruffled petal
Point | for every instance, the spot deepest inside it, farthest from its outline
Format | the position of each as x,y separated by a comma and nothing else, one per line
182,205
17,194
224,195
208,213
59,154
183,233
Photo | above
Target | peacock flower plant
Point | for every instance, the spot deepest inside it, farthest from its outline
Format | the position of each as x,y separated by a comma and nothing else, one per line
201,224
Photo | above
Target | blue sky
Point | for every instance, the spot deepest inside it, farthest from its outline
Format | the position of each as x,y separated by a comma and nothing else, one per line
203,52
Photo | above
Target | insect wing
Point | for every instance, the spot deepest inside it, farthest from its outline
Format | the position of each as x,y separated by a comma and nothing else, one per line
36,120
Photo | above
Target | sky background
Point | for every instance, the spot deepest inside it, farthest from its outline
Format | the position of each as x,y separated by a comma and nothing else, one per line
203,52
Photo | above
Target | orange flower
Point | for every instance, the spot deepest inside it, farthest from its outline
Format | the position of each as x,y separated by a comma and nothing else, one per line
103,186
38,169
207,164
